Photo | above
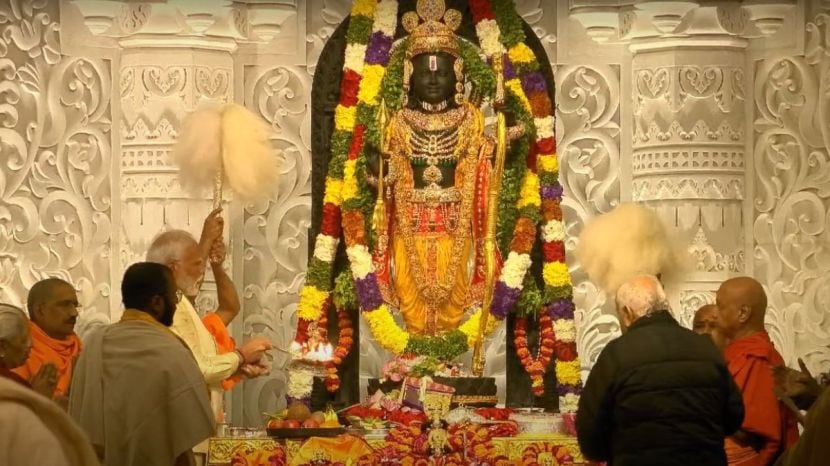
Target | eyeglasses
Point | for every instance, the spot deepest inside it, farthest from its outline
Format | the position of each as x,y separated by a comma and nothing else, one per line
179,296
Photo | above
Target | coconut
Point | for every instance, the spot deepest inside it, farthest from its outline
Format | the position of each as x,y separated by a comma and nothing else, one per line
298,412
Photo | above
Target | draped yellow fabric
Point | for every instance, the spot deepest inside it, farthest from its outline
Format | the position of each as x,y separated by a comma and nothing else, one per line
434,253
343,448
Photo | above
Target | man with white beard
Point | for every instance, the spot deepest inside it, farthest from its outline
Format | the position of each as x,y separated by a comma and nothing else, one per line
179,250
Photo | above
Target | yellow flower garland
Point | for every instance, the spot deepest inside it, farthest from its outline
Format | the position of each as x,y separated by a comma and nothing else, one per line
521,54
370,84
548,163
311,303
395,339
334,189
350,187
529,194
568,372
556,274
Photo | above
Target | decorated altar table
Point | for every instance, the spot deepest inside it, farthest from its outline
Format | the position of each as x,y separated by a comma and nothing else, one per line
523,449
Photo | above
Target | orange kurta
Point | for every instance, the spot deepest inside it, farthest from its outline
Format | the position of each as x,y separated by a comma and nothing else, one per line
224,342
750,361
45,349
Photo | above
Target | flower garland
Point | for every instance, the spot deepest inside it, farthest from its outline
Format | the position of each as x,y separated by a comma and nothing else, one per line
499,29
368,41
535,366
344,345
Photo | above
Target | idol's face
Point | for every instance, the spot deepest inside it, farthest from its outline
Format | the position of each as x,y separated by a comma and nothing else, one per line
433,78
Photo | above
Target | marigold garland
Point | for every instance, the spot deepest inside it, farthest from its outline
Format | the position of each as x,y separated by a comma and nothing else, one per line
535,366
345,340
497,22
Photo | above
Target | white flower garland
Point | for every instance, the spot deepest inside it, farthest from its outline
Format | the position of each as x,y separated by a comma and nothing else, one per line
360,260
553,230
514,269
354,57
325,248
565,330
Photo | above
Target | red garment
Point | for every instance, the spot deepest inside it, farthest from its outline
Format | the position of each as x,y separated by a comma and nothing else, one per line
750,361
224,342
61,353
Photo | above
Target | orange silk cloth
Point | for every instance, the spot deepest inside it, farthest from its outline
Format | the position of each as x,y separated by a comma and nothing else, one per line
61,353
224,342
750,361
343,449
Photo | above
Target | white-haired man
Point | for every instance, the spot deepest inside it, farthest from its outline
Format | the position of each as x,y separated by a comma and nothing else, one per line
179,250
659,394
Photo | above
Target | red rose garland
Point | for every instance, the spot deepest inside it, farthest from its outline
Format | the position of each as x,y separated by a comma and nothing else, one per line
535,366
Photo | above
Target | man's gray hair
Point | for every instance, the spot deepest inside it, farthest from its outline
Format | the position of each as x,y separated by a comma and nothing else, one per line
169,246
642,295
13,322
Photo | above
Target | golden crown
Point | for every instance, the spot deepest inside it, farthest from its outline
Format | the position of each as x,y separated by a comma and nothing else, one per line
432,35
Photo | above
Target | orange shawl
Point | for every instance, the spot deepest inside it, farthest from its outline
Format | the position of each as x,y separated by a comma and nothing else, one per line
45,349
224,342
750,361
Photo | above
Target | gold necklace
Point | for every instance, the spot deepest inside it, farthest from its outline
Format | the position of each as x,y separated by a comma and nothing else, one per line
435,147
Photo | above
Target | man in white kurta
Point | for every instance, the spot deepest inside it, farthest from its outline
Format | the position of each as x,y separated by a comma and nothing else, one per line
140,395
179,250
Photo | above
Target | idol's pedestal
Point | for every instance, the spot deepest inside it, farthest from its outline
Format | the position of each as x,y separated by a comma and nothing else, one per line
475,392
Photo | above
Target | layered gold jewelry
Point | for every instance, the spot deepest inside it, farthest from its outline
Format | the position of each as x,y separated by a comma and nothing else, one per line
454,135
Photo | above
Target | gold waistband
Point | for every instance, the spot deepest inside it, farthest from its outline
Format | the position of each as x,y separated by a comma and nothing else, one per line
432,195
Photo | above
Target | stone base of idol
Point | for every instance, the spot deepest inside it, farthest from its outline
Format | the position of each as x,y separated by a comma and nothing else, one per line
475,392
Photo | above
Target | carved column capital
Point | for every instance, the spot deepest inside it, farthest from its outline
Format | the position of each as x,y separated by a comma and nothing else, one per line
202,24
627,21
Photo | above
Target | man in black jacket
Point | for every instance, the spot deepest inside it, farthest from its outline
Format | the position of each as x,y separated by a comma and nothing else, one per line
659,395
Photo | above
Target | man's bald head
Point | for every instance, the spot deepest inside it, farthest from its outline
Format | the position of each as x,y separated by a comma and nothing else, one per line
742,305
53,306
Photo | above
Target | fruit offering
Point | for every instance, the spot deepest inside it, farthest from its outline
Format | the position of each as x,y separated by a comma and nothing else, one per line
330,418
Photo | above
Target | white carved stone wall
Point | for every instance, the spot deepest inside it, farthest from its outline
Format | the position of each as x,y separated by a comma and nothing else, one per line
714,114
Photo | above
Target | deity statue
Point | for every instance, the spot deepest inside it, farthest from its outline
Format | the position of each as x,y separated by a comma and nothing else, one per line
448,131
431,250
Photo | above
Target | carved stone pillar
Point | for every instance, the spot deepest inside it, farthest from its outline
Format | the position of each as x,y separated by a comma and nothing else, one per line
166,71
688,140
688,154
